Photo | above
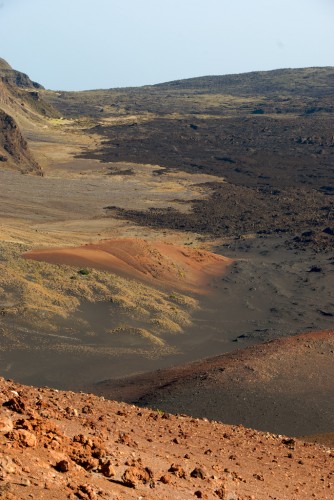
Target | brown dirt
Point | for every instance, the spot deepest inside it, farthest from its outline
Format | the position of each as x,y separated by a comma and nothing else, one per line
164,264
58,445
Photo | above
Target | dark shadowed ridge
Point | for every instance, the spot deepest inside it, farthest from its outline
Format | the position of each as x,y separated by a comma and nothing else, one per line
303,81
16,77
13,147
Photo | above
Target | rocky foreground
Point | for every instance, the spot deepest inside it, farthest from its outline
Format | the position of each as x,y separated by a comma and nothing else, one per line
57,445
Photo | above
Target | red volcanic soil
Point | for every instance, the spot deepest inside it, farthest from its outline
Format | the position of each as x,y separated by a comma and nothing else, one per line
284,386
58,445
161,263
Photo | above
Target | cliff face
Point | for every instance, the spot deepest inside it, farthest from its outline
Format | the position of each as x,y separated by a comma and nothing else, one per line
16,77
21,107
13,147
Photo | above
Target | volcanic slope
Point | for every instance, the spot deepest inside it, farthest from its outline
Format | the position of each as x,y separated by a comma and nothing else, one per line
284,386
268,134
164,264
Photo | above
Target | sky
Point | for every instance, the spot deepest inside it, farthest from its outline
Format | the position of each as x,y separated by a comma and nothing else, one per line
90,44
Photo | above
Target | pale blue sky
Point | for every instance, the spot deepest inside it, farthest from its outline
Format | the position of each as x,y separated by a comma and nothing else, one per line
86,44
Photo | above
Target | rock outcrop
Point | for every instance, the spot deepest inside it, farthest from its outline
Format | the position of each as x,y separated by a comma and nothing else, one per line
16,77
22,108
14,150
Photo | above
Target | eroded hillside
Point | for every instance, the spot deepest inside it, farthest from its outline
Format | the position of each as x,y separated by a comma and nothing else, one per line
21,108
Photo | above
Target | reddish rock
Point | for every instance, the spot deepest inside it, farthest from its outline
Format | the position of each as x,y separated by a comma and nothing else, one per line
177,470
166,479
198,472
87,409
16,404
23,438
5,491
200,494
7,466
222,492
63,466
86,492
6,424
289,442
88,463
126,439
107,469
135,475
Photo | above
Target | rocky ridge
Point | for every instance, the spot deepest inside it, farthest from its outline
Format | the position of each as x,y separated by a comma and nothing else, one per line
16,77
58,445
22,108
